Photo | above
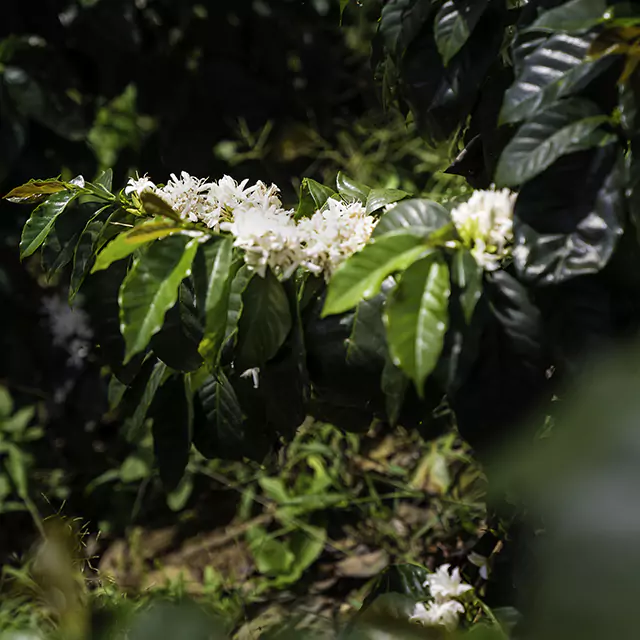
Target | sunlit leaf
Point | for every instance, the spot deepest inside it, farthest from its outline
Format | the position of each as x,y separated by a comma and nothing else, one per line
454,23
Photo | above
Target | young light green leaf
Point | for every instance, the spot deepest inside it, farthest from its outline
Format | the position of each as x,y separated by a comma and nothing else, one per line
418,216
265,322
150,289
361,276
127,243
217,256
417,318
351,188
379,198
564,127
454,23
35,191
41,222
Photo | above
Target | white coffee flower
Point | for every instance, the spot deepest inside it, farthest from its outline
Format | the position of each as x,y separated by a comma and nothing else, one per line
446,614
139,186
269,238
333,234
254,374
70,329
189,197
444,585
485,225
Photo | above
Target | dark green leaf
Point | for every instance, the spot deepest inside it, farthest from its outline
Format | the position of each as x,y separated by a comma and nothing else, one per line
150,289
217,255
466,274
221,424
401,21
367,342
83,256
172,431
265,322
176,344
454,23
133,425
351,189
405,579
562,231
564,127
394,386
313,197
422,217
555,69
379,198
575,15
42,220
362,275
417,318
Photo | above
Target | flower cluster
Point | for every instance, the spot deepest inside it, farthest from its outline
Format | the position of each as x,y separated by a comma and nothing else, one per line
444,610
485,225
267,233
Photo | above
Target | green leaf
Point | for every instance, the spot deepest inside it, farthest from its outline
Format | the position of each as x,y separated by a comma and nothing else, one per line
150,289
563,231
567,126
134,424
575,15
417,318
172,431
272,557
421,217
361,276
306,545
178,498
217,257
239,283
176,344
265,322
35,191
379,198
41,222
466,274
219,430
313,197
367,345
350,188
394,386
16,464
6,402
454,23
405,579
154,205
127,243
555,69
401,21
85,249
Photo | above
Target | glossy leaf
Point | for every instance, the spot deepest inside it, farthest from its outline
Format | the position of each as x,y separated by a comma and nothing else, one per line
39,225
133,425
379,198
83,256
125,244
265,322
416,216
562,231
417,318
367,344
172,431
567,126
401,21
222,422
217,258
313,197
150,289
352,189
575,15
405,579
557,68
454,23
241,279
362,275
154,205
35,191
466,274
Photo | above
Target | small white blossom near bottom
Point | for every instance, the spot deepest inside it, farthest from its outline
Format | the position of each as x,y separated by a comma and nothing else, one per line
446,614
444,610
